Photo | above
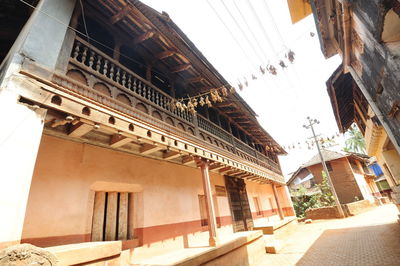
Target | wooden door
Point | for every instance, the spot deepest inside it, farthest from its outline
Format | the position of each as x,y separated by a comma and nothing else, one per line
239,203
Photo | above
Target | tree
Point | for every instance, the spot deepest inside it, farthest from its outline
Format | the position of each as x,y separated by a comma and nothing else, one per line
355,141
302,202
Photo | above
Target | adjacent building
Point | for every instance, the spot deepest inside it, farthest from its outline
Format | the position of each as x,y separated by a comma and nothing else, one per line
350,175
94,146
364,89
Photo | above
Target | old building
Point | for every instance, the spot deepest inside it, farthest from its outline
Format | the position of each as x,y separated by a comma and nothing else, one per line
351,177
94,148
364,89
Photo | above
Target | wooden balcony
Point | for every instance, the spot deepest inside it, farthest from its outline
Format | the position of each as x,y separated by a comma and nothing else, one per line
109,83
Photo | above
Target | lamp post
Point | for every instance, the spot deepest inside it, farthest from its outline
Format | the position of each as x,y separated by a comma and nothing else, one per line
311,123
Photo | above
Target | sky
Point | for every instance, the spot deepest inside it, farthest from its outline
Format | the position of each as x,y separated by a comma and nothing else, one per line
231,37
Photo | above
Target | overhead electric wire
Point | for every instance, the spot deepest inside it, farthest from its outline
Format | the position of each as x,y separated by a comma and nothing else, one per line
243,32
232,35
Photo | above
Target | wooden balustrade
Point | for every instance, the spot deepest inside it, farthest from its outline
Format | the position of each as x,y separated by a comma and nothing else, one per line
212,128
97,63
89,56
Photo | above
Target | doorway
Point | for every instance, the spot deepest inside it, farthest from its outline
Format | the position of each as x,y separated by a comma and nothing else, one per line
239,204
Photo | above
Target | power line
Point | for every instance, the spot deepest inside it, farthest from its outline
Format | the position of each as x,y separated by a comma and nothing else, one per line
233,36
243,32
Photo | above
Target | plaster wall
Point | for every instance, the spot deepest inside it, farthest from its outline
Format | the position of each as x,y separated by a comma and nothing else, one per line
167,212
365,189
19,143
265,195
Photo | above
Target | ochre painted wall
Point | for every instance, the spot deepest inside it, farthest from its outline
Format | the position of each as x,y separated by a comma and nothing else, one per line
167,213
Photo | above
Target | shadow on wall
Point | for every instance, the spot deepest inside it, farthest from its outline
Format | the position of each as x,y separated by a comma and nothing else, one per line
367,245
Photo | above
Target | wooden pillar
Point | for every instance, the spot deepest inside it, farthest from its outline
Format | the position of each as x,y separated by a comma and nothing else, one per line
148,72
277,202
212,223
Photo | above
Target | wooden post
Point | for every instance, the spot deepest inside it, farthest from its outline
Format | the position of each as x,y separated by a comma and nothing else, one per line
148,72
212,224
277,202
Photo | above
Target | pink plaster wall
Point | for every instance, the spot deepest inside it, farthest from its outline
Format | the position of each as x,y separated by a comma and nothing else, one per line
167,214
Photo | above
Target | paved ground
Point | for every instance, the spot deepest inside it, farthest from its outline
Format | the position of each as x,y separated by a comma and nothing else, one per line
370,238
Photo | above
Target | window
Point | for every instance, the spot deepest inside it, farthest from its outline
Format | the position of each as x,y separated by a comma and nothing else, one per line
112,216
329,166
257,206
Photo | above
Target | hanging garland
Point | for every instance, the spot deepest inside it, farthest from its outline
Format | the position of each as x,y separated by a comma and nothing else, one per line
270,68
190,104
309,144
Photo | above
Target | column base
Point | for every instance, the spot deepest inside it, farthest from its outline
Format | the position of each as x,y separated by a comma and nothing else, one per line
213,241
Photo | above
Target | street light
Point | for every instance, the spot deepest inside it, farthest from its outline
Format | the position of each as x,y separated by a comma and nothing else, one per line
311,123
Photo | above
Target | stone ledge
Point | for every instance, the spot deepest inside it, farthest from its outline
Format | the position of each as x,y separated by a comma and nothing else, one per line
85,252
207,255
269,229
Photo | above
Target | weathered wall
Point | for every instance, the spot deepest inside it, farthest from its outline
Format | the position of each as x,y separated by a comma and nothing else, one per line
19,142
380,67
322,213
167,216
342,177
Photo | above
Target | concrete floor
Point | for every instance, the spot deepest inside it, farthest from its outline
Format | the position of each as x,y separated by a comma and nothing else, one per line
370,238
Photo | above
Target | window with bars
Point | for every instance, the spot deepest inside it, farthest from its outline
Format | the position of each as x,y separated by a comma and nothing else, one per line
112,216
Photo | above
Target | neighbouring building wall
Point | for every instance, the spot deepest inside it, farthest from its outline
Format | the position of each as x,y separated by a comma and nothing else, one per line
365,189
375,37
343,179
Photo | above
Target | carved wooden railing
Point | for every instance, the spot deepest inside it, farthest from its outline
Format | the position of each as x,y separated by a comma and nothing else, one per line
212,128
96,62
244,147
87,55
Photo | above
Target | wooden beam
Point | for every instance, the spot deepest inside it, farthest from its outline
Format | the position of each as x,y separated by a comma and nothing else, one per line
180,68
225,170
79,130
169,155
234,172
216,166
120,15
196,79
165,54
147,148
186,160
117,140
360,113
145,36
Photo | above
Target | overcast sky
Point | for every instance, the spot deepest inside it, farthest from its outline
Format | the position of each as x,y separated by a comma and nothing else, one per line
282,102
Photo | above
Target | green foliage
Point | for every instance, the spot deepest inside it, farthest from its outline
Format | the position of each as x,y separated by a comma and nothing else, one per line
326,197
355,141
303,202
